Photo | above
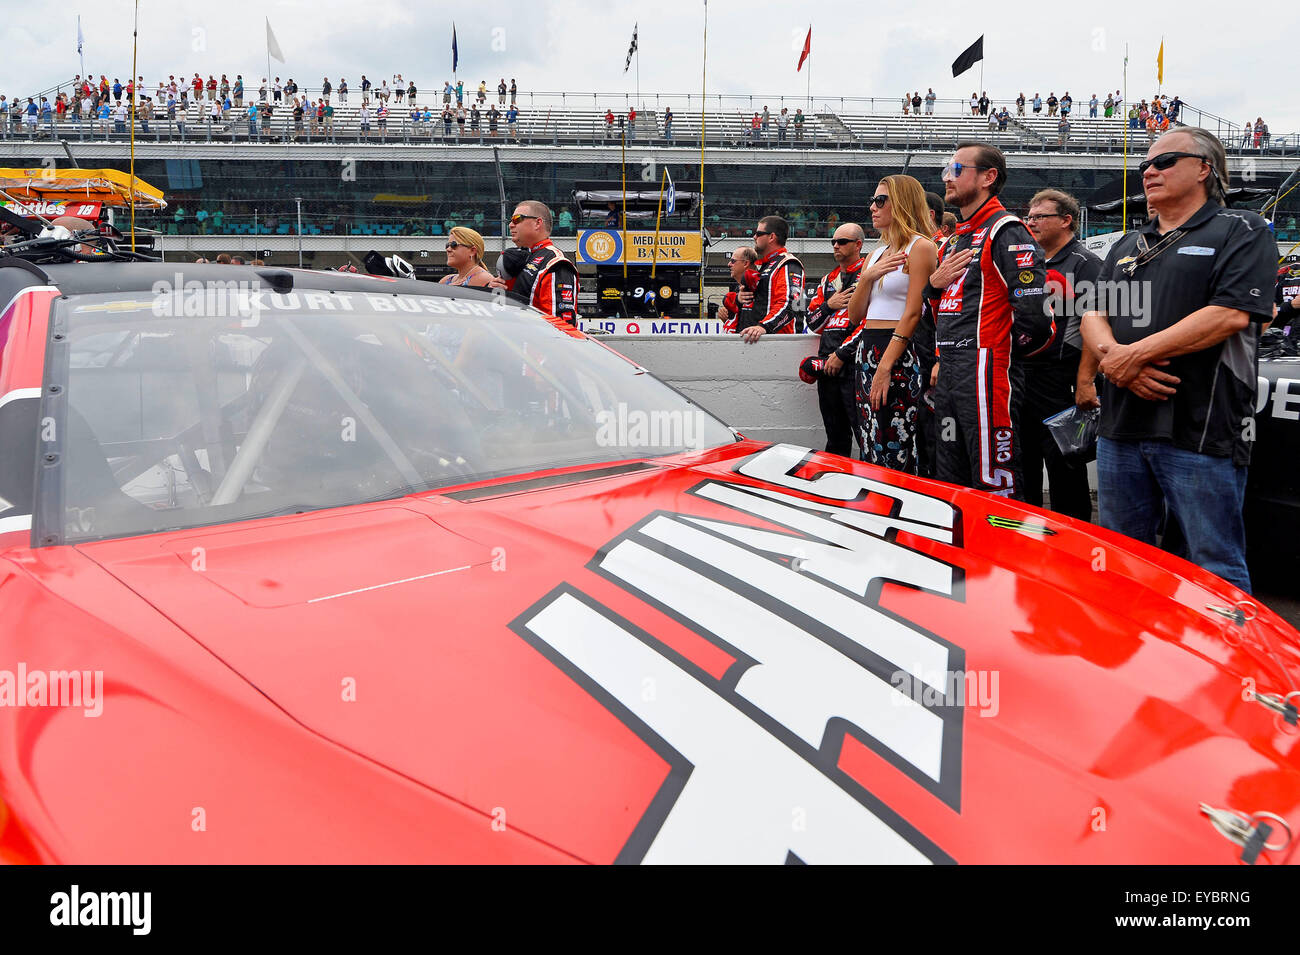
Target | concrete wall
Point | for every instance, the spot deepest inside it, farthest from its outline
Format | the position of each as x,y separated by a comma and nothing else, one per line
754,388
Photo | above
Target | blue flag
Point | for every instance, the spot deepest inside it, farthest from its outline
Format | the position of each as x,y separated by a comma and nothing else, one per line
455,51
672,193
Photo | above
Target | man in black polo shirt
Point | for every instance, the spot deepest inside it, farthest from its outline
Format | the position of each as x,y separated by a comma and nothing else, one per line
1058,379
1176,331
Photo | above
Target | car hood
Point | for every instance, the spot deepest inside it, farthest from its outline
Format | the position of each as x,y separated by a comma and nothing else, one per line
756,653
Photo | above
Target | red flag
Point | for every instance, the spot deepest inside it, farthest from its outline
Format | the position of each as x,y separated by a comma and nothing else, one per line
807,48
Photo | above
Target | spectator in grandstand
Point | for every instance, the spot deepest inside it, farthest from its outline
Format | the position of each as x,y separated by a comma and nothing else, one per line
1133,118
514,91
1259,128
1109,106
1020,104
512,118
277,90
916,103
326,89
329,119
1175,106
668,123
631,121
343,91
974,104
1059,379
779,293
929,102
474,118
907,104
755,126
798,124
460,122
252,121
782,124
1092,107
1063,131
993,120
984,103
548,281
1178,403
298,112
465,250
1038,104
988,290
494,115
381,119
609,123
828,316
182,116
740,297
223,88
501,92
212,87
482,92
767,120
1052,104
146,113
883,313
239,90
1004,119
1067,103
399,87
365,88
119,117
117,90
363,120
411,91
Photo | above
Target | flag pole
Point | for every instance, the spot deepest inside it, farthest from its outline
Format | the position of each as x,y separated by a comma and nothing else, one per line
1124,181
654,254
625,214
135,92
810,68
704,72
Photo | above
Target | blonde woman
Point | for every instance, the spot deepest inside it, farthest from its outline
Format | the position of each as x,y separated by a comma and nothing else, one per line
886,306
465,249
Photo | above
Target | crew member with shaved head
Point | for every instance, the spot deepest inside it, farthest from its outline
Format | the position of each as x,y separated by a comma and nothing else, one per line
828,313
547,280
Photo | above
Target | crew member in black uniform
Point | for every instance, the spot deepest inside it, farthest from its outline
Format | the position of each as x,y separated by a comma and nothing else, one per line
1063,376
828,313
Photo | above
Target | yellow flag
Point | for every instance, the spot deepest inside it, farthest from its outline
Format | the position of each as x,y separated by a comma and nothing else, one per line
1160,64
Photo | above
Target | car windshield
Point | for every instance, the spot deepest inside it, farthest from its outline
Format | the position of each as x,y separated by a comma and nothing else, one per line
315,399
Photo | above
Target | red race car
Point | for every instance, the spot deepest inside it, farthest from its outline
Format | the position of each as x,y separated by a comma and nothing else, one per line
311,567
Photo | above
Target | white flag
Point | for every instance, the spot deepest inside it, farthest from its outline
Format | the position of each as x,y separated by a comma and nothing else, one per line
81,40
272,48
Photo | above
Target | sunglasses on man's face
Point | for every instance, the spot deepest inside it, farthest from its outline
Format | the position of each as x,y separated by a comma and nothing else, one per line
1166,160
878,202
518,218
759,232
838,242
954,169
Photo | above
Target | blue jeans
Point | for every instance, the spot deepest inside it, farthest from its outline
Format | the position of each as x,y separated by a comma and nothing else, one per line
1139,483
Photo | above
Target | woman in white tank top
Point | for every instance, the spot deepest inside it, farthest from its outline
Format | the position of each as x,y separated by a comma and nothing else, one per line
887,306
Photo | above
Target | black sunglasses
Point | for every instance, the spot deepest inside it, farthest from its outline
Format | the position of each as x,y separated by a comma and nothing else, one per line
844,241
454,245
1165,160
878,202
761,232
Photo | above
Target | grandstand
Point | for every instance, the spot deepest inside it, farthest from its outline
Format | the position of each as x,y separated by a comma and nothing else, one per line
331,195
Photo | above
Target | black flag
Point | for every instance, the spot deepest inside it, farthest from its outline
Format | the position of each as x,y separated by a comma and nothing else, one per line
972,55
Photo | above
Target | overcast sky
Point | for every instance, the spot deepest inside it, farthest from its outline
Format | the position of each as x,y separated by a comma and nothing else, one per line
1232,65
